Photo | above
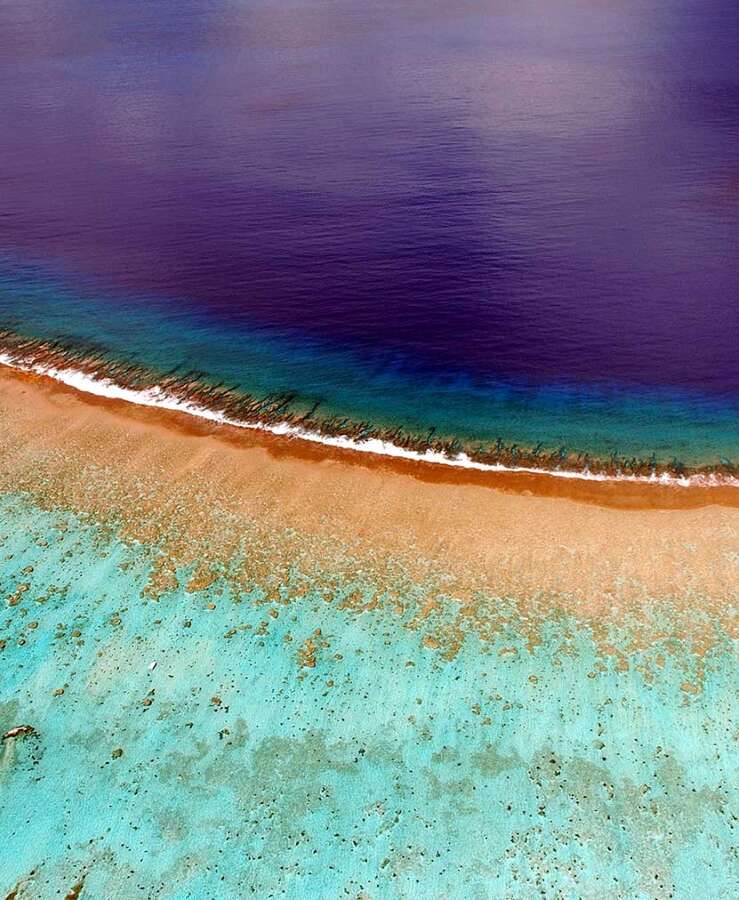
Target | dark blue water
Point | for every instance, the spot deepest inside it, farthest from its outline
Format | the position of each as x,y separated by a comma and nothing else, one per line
495,218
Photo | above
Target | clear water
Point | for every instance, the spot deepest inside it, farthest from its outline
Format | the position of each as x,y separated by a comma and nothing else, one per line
383,771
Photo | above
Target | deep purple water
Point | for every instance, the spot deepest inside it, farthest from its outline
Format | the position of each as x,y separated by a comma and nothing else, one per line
545,191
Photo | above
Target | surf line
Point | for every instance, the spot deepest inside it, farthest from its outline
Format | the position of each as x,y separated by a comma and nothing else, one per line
157,397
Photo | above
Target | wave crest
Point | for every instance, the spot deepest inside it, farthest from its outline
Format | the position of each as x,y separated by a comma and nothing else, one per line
91,372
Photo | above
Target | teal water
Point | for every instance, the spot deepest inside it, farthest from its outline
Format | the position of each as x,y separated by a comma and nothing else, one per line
604,421
383,771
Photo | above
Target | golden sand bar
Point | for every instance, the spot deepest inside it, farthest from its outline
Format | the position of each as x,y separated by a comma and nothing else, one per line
559,534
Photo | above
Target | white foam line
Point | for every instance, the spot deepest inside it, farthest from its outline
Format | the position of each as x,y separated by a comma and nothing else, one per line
157,397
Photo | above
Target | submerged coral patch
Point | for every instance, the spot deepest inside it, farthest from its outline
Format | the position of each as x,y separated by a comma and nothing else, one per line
225,672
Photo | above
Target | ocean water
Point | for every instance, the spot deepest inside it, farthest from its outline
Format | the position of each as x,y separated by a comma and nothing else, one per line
498,221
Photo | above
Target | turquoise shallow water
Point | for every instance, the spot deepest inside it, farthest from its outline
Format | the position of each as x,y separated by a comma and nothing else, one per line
383,771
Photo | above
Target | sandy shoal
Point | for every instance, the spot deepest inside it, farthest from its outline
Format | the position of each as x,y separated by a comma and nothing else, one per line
604,543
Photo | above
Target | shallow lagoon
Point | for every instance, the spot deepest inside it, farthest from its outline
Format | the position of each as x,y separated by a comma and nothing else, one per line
382,769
